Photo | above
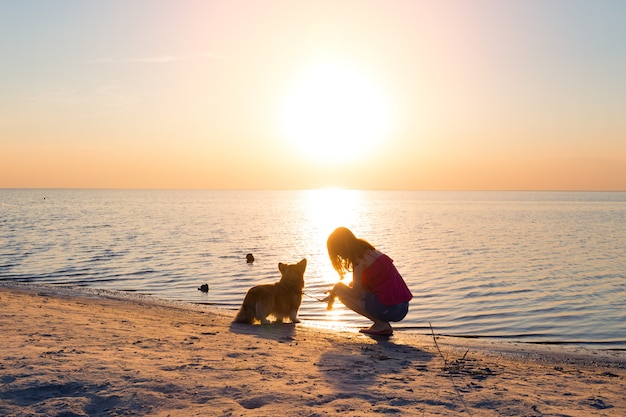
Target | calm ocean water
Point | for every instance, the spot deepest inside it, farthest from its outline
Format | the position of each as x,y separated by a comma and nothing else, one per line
545,267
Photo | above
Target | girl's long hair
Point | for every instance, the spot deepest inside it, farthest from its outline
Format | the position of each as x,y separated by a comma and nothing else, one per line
344,249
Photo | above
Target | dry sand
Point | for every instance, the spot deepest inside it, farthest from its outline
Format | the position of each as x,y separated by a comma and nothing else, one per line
69,352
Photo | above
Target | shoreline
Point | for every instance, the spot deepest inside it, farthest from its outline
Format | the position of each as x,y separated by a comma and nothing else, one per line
590,347
77,351
352,324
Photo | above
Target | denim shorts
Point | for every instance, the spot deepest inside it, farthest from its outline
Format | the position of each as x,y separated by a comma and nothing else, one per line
382,312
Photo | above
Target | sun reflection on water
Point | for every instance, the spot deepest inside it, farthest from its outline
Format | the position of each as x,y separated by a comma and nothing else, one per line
332,207
327,209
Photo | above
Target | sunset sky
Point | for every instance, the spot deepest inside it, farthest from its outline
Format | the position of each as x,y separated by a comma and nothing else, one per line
450,95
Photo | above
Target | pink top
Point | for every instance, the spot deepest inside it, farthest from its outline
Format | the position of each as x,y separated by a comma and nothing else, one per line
383,279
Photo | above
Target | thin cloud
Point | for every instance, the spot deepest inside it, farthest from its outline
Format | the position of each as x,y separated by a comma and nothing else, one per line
156,59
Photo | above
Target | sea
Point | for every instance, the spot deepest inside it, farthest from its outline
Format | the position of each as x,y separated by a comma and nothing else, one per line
529,267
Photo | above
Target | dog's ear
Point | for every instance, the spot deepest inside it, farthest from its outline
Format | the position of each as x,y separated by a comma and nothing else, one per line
281,267
302,263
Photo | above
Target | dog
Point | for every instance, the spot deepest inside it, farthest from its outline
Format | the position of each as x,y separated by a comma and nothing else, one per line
281,299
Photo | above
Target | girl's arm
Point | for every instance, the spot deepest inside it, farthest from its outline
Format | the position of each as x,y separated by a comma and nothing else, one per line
357,274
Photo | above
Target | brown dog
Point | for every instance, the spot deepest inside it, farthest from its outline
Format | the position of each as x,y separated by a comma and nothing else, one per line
281,299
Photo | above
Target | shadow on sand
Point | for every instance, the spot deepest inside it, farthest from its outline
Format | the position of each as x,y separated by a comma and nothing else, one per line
363,364
281,332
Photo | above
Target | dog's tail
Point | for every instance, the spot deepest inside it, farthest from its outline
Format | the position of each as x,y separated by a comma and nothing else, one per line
245,315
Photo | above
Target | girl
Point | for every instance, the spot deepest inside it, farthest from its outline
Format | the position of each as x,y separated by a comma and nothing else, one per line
377,291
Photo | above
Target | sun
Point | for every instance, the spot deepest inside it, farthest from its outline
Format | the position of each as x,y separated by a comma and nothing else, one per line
334,113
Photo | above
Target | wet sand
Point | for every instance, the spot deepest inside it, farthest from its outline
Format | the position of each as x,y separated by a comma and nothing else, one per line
73,352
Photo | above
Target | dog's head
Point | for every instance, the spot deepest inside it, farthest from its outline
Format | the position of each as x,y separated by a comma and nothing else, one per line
293,274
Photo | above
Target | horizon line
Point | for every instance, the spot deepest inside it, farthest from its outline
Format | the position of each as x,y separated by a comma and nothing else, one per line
315,189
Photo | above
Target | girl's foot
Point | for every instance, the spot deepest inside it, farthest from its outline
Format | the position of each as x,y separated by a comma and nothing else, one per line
378,330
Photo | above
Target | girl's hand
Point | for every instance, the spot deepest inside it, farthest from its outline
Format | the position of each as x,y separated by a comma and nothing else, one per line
330,298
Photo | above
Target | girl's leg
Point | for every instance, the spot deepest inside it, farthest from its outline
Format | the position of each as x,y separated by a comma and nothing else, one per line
354,301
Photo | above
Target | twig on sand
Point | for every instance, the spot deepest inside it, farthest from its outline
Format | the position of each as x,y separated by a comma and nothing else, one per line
448,366
445,359
450,369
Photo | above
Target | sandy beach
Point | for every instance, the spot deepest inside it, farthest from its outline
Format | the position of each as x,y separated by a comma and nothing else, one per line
70,352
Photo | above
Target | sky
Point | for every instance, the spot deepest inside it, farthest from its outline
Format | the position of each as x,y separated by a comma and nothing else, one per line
410,95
